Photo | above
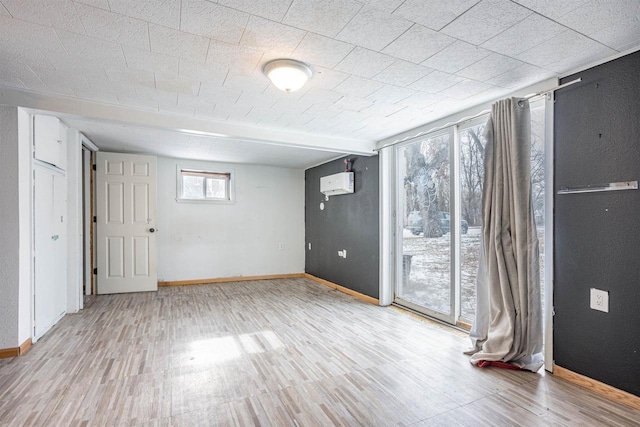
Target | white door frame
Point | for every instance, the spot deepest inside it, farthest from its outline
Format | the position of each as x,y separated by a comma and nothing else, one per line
88,148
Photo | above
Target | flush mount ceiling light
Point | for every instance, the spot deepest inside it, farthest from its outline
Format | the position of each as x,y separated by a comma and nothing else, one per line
288,75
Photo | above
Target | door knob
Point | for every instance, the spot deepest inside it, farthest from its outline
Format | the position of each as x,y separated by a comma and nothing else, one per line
152,230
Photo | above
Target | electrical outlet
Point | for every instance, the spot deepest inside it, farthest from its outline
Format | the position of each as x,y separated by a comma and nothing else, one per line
281,246
340,254
344,253
309,246
599,300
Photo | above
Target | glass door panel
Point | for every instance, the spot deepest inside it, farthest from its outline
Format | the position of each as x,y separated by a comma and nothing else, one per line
424,238
472,143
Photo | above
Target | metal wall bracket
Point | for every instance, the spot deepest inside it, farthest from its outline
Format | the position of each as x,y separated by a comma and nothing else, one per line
595,188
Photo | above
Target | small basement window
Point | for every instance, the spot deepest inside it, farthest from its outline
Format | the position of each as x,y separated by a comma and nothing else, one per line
204,186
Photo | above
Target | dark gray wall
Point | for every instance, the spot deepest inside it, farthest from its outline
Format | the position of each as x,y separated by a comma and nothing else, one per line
348,221
597,235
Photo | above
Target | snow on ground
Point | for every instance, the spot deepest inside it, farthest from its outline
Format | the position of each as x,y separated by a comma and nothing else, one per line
429,278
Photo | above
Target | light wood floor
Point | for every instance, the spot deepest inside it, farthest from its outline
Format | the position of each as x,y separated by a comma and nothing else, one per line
273,353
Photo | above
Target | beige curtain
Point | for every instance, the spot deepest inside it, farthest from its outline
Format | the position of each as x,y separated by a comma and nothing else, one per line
508,323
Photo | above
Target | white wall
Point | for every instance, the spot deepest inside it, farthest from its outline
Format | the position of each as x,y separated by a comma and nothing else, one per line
9,228
205,241
25,209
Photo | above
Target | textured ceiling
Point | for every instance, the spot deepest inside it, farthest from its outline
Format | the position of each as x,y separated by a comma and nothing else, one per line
382,66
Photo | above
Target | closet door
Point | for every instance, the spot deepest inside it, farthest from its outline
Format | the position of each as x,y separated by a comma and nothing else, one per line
50,296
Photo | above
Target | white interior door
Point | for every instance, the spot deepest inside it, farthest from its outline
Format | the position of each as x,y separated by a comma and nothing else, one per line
50,293
126,223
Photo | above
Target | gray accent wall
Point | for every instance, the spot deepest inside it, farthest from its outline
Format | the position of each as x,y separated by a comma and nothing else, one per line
348,221
597,235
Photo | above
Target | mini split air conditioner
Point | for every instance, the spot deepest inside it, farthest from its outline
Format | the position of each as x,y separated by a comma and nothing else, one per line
340,183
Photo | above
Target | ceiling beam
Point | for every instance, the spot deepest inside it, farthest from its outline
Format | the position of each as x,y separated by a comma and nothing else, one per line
83,109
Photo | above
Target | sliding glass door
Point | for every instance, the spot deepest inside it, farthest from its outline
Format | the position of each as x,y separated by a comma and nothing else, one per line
439,184
424,233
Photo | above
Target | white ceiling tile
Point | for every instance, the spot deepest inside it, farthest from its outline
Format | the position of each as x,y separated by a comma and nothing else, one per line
364,63
91,49
177,43
270,9
157,63
134,77
212,20
190,102
102,4
485,20
621,40
178,85
418,44
382,109
465,89
596,15
320,96
264,115
391,94
326,17
358,86
319,50
57,81
402,73
580,58
556,49
251,99
420,100
270,36
433,14
526,34
373,28
386,5
210,73
18,75
351,117
436,82
107,85
456,56
4,11
520,76
554,9
161,12
20,52
238,58
149,94
33,35
491,66
58,14
255,82
322,111
326,78
352,103
109,26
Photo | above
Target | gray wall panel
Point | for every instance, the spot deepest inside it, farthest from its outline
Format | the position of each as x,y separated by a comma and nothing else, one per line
597,235
350,222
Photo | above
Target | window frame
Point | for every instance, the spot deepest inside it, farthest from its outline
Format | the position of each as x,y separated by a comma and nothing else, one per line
205,173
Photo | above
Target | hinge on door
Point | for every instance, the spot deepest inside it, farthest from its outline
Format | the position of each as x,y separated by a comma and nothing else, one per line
95,218
95,271
93,167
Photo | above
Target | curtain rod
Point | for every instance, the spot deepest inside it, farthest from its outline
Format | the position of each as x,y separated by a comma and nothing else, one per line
475,116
